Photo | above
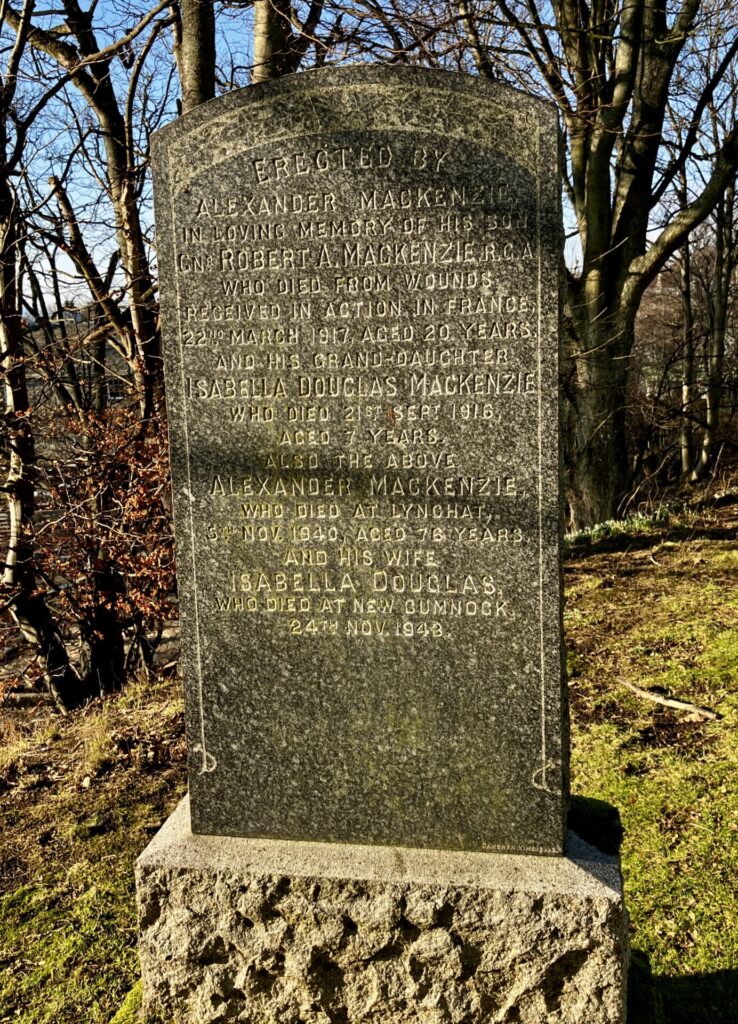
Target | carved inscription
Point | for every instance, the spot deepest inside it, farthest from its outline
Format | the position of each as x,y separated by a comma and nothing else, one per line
366,334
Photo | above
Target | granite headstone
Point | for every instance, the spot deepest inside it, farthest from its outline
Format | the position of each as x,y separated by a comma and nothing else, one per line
359,282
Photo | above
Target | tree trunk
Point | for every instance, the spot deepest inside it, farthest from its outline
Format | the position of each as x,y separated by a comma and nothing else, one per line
98,383
594,384
123,176
102,660
685,434
194,52
26,604
272,39
717,307
713,397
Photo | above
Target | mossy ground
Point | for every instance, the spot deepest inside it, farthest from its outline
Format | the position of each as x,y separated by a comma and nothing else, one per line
659,608
655,604
81,798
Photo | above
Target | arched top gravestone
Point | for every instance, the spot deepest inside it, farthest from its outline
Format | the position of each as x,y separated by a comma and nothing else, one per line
359,280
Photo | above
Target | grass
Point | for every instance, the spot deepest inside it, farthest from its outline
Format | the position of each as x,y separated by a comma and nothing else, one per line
655,603
81,801
664,615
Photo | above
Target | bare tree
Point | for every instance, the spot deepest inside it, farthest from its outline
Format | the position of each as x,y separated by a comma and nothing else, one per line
88,66
715,282
21,594
40,551
707,265
612,72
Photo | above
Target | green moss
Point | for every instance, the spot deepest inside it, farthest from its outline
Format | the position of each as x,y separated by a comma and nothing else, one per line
130,1011
670,623
574,665
720,659
63,937
70,836
679,853
725,559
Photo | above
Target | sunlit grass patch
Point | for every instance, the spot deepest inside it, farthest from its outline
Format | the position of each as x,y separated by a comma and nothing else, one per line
76,812
674,632
63,936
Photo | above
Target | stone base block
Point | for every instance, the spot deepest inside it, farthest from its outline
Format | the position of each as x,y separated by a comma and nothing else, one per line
271,932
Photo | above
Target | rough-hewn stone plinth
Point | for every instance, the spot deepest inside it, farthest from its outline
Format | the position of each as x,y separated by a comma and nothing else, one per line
266,931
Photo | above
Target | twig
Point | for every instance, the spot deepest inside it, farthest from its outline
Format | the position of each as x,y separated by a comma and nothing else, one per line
26,698
669,702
